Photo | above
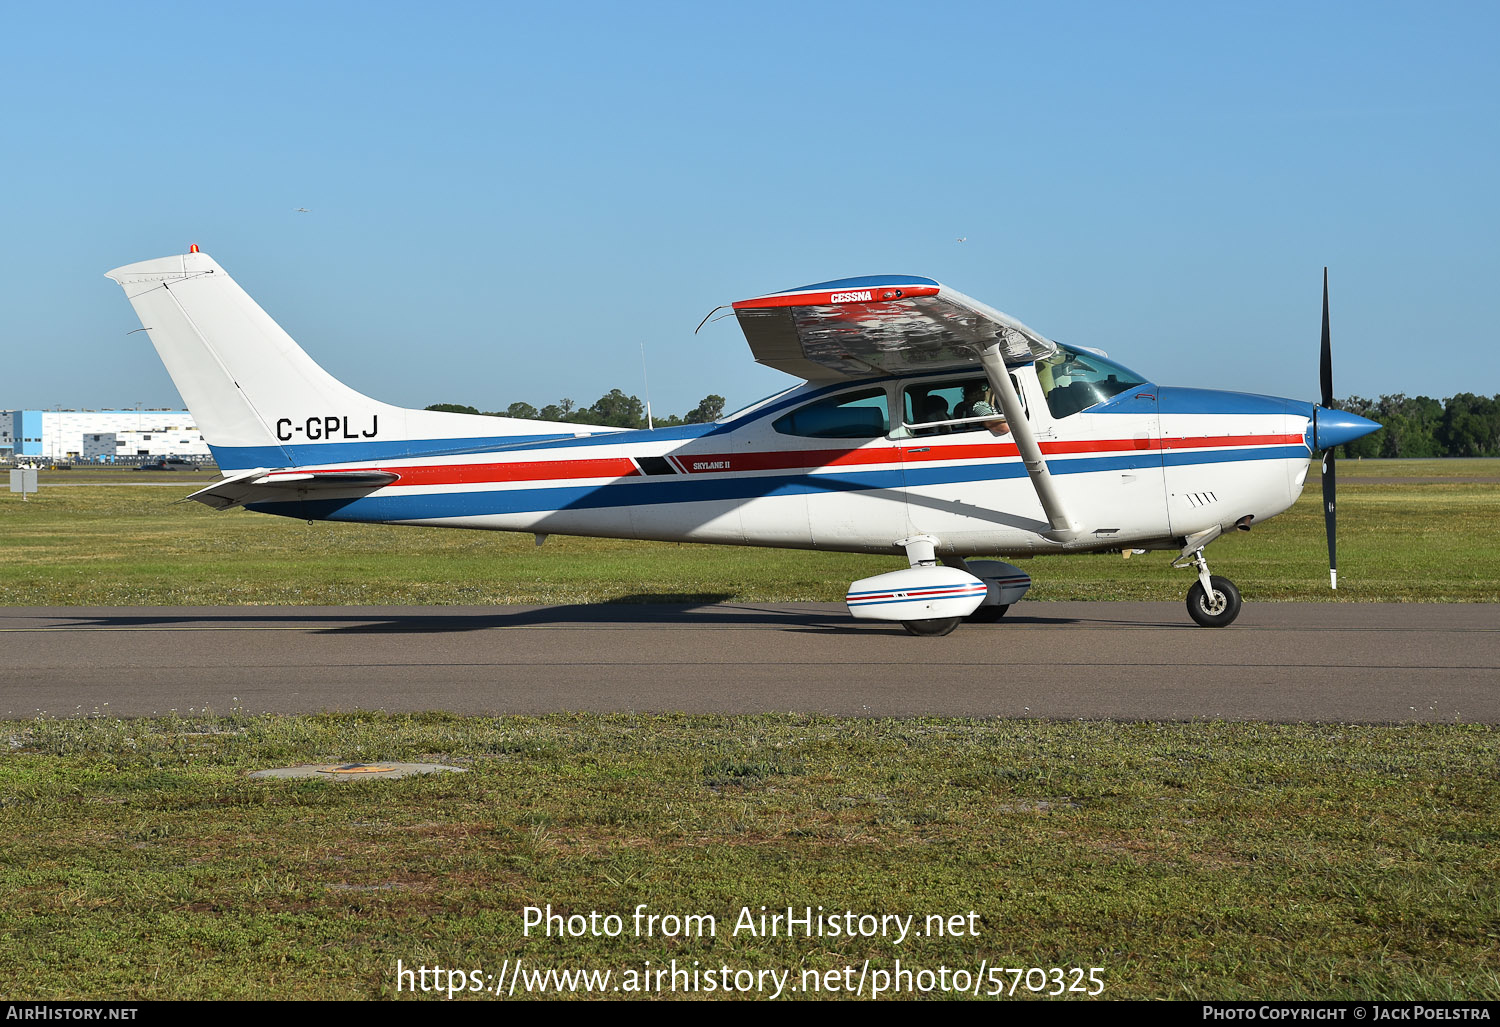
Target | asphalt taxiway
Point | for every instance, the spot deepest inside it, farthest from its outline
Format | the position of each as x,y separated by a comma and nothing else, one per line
1370,663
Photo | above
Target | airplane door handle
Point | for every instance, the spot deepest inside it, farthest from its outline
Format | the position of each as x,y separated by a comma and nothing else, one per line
923,449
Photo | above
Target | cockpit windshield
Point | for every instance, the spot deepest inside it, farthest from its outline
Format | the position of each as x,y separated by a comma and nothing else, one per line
1074,380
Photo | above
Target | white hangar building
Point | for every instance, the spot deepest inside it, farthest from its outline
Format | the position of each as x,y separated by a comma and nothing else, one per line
31,436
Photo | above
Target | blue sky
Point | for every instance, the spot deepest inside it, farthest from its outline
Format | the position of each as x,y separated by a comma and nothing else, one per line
508,201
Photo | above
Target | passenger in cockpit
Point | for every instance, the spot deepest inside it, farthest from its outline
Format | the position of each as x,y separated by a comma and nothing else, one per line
934,408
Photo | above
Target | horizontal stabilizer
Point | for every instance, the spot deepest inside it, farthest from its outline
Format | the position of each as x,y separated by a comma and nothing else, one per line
263,484
325,479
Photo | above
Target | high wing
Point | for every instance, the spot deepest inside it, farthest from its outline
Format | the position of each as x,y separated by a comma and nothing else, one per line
896,324
261,483
878,325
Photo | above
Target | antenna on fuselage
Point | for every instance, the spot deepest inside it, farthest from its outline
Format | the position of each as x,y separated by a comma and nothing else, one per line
646,379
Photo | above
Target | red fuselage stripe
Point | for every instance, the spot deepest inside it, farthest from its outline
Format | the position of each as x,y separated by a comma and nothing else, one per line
789,460
530,470
912,452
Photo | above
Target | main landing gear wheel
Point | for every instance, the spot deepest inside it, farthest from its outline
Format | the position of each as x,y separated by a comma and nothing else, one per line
987,614
933,628
1218,610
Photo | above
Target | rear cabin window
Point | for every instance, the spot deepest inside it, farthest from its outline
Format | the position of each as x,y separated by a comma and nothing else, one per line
852,415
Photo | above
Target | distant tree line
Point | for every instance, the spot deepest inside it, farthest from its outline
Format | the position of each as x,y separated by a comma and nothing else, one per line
1412,426
1419,426
614,409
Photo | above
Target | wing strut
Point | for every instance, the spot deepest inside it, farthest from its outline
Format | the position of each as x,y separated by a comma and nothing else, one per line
1064,528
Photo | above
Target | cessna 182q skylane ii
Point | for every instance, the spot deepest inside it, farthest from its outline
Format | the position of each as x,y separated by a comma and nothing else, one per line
928,423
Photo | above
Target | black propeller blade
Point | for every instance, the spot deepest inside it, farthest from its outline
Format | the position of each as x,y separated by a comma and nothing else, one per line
1325,365
1330,475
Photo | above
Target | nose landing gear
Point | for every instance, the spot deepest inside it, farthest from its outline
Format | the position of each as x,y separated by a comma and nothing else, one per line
1216,606
1212,602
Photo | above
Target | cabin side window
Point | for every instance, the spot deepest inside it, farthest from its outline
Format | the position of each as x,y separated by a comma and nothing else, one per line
953,405
851,415
1075,380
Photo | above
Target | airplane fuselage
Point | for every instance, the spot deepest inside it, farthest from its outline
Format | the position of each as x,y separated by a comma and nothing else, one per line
1144,469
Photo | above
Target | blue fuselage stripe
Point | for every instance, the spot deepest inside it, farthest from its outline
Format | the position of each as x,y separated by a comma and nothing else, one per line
239,458
1181,458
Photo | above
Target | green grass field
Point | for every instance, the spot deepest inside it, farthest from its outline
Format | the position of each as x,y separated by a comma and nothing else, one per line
1186,860
114,545
1191,860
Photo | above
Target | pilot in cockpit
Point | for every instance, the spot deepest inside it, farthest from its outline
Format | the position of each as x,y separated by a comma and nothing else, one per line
978,403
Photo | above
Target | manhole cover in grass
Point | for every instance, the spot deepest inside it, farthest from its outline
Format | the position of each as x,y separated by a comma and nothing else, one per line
356,771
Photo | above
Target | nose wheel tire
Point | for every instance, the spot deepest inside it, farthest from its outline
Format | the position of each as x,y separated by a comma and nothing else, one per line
987,614
931,627
1216,610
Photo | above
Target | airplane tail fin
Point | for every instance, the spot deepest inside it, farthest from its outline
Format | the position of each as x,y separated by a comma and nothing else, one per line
261,401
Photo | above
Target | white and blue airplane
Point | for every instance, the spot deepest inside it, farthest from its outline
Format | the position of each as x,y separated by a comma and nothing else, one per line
925,423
